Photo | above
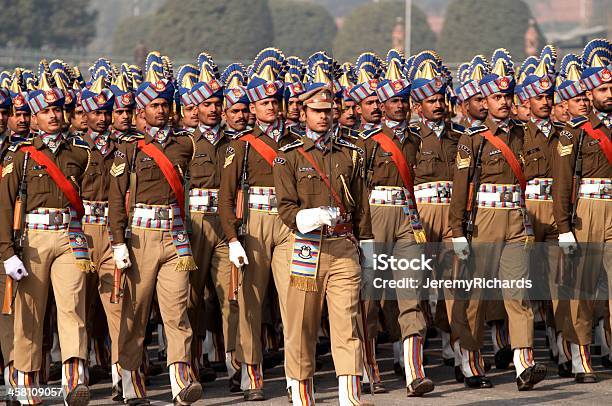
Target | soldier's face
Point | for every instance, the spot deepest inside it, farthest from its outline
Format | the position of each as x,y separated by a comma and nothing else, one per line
209,111
50,120
237,116
157,113
369,110
99,120
498,105
294,106
396,108
318,120
601,97
190,116
434,107
336,109
265,110
19,122
4,116
122,119
540,106
578,106
560,112
79,119
348,117
475,107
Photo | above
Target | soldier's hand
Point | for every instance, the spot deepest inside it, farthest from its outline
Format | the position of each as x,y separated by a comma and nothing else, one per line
121,255
15,268
237,254
567,242
461,247
311,219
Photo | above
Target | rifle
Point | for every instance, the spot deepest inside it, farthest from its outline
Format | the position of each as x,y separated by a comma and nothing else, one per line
370,165
242,214
130,200
470,207
19,215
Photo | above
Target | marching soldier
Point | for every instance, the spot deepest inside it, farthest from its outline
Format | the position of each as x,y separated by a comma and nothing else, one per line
502,228
53,249
122,86
469,96
235,102
292,91
326,213
186,78
572,94
264,245
346,106
159,257
210,246
582,198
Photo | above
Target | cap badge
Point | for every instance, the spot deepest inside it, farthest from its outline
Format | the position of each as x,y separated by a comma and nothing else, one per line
297,88
397,85
373,84
237,92
50,96
545,83
503,83
606,75
68,99
100,99
270,89
159,86
126,98
214,85
19,101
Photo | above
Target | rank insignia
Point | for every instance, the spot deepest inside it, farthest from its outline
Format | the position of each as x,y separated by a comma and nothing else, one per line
7,169
463,163
117,170
564,150
228,160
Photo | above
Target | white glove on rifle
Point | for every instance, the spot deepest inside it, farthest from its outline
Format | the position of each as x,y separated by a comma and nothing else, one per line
311,219
237,254
121,255
15,268
367,254
567,242
461,247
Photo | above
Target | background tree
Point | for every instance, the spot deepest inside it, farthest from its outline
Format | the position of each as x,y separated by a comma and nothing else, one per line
55,23
369,26
302,28
480,26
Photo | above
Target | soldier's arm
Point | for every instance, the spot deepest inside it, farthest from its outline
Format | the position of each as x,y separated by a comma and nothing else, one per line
230,182
464,161
563,172
12,170
286,189
119,184
362,221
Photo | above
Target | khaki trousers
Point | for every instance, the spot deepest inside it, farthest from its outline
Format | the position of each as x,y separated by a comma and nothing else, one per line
102,258
266,245
48,258
593,226
211,253
6,325
498,250
338,282
154,261
393,234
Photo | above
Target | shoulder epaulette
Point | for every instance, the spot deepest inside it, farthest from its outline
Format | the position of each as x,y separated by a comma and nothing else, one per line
577,121
365,134
180,132
296,130
132,136
79,142
349,132
558,124
294,144
240,134
476,129
345,143
517,122
458,128
415,130
19,143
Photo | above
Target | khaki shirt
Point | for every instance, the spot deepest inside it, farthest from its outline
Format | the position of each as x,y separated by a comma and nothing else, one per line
207,164
435,157
72,157
540,152
96,180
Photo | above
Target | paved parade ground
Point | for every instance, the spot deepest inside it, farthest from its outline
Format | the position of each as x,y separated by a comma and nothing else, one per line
552,391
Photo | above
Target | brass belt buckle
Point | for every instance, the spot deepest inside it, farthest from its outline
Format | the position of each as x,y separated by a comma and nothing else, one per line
97,211
545,189
56,219
162,214
443,191
272,201
506,197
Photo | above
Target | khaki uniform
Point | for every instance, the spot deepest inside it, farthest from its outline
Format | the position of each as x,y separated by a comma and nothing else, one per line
208,241
338,278
266,242
592,223
47,255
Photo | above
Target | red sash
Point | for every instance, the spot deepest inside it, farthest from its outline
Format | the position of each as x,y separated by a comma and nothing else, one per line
168,170
514,163
58,177
398,158
604,142
267,152
323,176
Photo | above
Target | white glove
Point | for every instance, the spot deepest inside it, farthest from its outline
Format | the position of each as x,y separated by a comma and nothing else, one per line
15,268
461,247
367,253
567,242
311,219
121,255
237,254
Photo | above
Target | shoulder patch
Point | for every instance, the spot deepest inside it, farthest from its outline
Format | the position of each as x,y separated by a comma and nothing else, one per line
464,148
567,134
457,128
230,151
119,154
577,121
279,161
294,144
476,129
350,145
365,134
78,142
117,170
